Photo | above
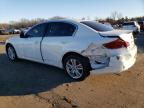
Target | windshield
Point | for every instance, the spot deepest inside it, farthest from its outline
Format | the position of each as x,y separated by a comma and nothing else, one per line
98,26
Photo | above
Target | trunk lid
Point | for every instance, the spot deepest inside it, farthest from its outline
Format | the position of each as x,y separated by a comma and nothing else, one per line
125,35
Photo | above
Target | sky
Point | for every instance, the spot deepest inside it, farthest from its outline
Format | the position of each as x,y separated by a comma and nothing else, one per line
14,10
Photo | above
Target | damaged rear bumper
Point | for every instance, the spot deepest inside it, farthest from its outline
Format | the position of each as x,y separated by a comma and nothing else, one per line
117,63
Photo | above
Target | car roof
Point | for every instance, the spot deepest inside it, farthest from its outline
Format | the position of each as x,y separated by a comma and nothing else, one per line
61,20
69,20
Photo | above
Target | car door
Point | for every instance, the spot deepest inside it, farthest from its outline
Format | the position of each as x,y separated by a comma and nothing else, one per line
58,36
31,44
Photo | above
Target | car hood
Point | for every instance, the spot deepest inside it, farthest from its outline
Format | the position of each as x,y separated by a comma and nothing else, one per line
14,38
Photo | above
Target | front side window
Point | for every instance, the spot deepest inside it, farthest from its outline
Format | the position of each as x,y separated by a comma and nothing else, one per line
37,31
60,29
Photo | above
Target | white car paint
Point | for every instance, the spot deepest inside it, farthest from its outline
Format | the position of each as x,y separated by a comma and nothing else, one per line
86,42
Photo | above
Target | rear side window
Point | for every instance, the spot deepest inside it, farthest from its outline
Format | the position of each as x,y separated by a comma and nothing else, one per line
37,31
60,29
97,26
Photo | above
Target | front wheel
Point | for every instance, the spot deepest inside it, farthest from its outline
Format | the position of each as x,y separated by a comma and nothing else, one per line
11,53
77,67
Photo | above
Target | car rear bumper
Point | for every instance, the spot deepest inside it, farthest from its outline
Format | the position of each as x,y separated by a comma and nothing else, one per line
118,63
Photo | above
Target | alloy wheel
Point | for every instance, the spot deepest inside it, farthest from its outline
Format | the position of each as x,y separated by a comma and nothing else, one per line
11,53
74,68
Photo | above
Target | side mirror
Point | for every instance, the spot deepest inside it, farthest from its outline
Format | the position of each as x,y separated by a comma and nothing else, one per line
22,34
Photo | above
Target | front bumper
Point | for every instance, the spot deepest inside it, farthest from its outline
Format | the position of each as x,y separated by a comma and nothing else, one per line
118,63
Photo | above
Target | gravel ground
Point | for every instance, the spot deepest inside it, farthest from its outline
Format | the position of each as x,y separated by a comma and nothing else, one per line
27,84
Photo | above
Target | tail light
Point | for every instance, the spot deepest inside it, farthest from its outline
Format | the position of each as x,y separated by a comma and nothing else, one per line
119,43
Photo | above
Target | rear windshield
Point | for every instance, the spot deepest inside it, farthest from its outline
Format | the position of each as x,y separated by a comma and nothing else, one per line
97,26
130,23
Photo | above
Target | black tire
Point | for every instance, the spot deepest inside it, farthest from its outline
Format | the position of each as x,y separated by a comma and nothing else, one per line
84,63
14,58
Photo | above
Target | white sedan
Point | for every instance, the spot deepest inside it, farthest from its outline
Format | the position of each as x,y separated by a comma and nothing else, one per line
80,48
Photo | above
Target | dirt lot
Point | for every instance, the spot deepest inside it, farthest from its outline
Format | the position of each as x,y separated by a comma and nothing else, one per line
31,85
4,37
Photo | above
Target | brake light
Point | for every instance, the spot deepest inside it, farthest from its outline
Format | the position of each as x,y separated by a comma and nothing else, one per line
119,43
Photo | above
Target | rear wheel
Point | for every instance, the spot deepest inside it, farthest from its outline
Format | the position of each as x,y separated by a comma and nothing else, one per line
11,53
77,67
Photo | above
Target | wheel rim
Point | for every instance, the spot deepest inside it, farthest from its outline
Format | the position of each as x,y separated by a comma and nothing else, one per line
11,53
74,68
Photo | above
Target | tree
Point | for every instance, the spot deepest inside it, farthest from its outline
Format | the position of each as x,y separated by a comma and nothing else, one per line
83,18
57,17
119,16
116,15
126,18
